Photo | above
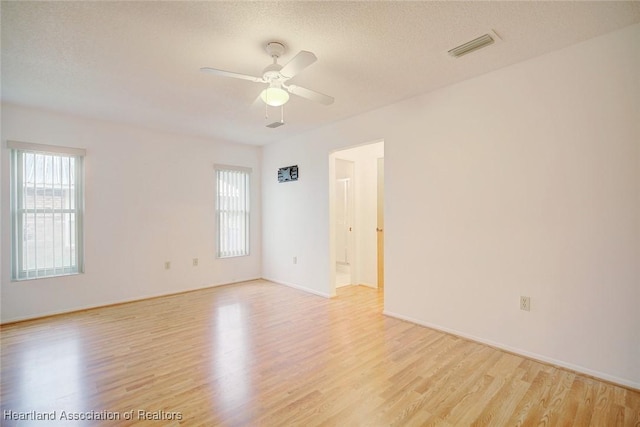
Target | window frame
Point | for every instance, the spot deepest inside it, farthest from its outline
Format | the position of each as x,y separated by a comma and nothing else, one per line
20,272
221,252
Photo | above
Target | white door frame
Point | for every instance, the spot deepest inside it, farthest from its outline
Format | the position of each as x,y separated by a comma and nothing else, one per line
332,220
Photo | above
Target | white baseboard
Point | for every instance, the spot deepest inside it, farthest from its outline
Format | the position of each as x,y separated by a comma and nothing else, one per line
301,288
119,301
579,369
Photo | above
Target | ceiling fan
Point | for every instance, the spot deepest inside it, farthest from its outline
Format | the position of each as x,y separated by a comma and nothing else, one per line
276,76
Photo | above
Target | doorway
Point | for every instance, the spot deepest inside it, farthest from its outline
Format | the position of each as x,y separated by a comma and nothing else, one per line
356,216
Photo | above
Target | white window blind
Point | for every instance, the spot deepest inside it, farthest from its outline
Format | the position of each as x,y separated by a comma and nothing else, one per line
46,209
232,211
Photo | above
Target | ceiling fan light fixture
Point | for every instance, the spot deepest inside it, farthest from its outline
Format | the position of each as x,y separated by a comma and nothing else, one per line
274,96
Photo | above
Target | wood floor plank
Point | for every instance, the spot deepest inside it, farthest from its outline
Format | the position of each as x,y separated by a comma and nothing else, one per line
261,354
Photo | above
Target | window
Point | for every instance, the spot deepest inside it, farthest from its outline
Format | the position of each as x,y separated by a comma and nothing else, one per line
232,211
46,210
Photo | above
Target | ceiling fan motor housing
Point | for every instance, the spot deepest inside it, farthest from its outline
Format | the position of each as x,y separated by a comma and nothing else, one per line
272,72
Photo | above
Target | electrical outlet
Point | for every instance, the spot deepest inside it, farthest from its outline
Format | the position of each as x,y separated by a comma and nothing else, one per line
167,265
195,262
295,259
525,303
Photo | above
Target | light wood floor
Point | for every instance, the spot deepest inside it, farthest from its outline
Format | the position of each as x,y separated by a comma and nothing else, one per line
261,354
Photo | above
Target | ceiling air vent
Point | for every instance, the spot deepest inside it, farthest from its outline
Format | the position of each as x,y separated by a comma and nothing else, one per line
473,45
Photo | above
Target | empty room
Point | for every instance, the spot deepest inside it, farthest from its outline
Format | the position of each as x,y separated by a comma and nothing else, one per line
320,213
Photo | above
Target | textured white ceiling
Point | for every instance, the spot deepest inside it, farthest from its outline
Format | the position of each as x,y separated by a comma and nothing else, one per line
138,62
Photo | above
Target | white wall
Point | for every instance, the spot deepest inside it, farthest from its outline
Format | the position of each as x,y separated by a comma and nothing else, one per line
295,220
149,199
523,181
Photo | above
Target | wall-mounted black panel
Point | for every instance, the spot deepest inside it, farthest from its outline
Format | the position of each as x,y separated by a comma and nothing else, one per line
288,173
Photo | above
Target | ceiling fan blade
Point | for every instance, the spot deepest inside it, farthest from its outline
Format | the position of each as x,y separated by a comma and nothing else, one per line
230,74
310,94
258,103
299,62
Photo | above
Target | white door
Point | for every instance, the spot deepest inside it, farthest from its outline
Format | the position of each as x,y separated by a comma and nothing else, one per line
380,222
